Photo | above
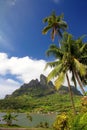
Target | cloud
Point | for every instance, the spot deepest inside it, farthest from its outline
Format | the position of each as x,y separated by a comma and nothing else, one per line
23,69
7,86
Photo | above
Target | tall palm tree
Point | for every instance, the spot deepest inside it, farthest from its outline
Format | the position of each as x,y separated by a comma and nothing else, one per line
82,57
78,51
56,24
67,59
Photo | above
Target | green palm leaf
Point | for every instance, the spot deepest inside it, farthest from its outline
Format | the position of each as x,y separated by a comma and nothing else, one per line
59,80
56,24
55,51
80,67
52,64
82,48
54,72
46,29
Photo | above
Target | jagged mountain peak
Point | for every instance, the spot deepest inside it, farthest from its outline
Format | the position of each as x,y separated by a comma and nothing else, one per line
41,88
36,87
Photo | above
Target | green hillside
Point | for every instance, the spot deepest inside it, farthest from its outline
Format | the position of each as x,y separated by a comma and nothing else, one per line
54,102
40,96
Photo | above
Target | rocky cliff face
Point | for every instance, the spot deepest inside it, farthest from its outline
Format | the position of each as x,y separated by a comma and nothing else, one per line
36,88
36,83
64,90
40,88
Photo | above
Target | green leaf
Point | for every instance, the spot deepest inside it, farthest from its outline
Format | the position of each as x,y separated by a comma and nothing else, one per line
59,80
46,29
54,72
80,67
52,64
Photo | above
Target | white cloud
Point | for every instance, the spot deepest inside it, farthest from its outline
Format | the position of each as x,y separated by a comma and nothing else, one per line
7,86
24,68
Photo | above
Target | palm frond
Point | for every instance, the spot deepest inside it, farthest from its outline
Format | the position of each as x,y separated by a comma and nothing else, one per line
45,20
54,51
59,80
60,17
80,67
52,64
82,37
54,72
46,29
82,48
63,25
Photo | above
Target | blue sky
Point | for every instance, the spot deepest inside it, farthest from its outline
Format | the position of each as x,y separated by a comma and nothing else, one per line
22,45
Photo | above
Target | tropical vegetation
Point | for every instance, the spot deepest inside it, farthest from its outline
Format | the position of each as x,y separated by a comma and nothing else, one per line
56,24
69,57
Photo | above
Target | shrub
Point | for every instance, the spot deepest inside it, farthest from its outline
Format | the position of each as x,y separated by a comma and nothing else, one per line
61,122
80,122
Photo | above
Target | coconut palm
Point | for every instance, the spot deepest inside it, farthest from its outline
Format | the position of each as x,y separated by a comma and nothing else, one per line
8,118
67,59
78,51
56,24
82,57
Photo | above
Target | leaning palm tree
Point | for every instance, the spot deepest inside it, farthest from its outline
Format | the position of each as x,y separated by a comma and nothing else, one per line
82,57
78,50
66,60
56,24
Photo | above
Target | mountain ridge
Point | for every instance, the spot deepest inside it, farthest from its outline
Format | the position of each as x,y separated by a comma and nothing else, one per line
36,88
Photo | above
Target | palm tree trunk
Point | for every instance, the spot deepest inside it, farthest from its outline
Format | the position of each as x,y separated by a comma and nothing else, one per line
71,95
79,81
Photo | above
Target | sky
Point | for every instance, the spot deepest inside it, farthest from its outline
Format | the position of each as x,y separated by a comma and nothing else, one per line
22,45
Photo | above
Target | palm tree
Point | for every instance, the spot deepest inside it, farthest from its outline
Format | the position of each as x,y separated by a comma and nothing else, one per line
78,51
83,57
56,24
67,59
8,118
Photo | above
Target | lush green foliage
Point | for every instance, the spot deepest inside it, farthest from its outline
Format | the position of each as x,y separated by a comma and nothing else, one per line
56,24
61,122
50,103
80,122
70,56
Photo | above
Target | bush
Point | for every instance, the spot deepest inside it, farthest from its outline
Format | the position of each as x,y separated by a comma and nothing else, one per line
80,122
61,122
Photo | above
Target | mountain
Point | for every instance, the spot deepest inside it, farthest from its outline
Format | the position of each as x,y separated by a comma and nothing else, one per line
36,88
40,96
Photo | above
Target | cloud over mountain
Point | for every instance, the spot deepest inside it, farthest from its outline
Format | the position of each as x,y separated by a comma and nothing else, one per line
20,69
